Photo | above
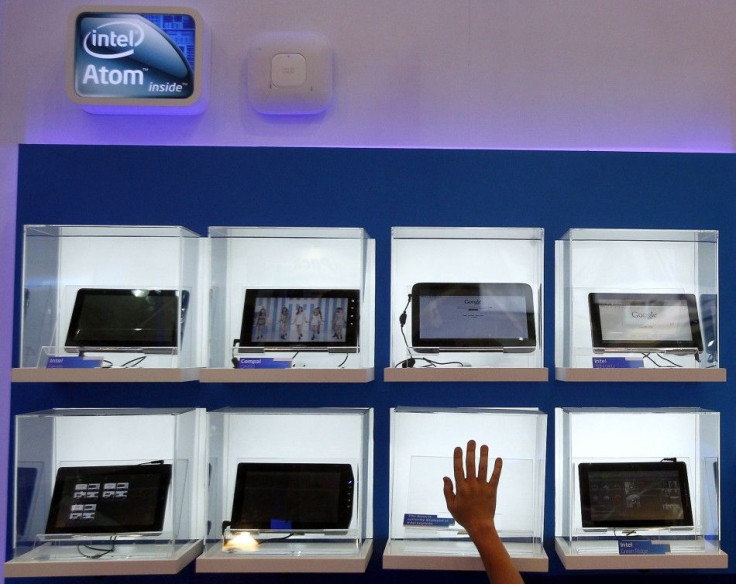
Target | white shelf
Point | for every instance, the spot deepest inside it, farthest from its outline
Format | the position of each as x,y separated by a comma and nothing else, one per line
682,374
35,564
597,555
461,555
465,374
291,558
105,375
296,375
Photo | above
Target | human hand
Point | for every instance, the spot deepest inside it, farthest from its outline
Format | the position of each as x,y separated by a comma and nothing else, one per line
473,501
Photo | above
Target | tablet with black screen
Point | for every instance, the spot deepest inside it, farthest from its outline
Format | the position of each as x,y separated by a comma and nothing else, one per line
118,319
473,317
644,322
293,496
301,319
634,494
109,499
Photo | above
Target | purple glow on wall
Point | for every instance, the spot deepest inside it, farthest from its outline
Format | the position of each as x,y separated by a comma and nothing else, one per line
8,170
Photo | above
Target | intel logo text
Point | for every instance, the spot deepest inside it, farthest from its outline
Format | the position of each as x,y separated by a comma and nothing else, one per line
113,40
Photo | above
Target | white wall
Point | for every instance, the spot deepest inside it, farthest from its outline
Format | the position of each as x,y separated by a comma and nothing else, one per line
521,74
511,74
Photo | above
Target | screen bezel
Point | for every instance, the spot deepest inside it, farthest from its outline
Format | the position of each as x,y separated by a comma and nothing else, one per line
586,468
344,504
709,324
598,299
524,291
66,473
352,321
90,343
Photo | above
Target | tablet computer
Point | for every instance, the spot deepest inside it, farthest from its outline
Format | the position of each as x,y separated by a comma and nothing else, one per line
285,319
472,317
109,499
287,496
644,322
634,494
119,319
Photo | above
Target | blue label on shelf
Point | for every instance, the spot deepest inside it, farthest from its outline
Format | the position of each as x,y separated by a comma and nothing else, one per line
281,523
418,520
628,547
617,363
263,363
74,362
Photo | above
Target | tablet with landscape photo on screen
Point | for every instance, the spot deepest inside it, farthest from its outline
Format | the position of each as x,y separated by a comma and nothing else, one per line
283,319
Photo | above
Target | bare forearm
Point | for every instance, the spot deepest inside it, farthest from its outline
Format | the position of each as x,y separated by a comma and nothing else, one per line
496,560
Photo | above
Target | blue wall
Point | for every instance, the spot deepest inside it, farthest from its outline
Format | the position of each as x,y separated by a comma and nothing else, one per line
376,189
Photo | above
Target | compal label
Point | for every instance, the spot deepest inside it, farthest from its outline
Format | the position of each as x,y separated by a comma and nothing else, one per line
121,55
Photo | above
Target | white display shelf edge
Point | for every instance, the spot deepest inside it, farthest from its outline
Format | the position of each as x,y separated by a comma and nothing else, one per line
27,566
396,556
677,374
466,374
711,559
214,560
295,375
105,375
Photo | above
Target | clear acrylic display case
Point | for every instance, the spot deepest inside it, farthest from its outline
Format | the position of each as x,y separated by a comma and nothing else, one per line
621,262
422,534
323,436
289,258
604,435
61,260
466,255
46,441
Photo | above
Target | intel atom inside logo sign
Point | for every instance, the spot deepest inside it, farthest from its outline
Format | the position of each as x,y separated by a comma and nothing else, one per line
135,56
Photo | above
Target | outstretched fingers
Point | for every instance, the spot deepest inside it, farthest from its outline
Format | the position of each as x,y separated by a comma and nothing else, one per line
449,493
470,460
496,474
483,463
457,465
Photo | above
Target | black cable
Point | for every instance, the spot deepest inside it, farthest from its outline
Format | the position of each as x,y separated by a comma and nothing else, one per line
270,539
412,359
651,359
134,362
430,362
103,551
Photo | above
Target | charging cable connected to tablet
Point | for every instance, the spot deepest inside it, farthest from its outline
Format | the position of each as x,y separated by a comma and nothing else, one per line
411,361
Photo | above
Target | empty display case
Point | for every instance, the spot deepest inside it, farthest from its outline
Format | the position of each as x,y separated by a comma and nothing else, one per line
422,533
